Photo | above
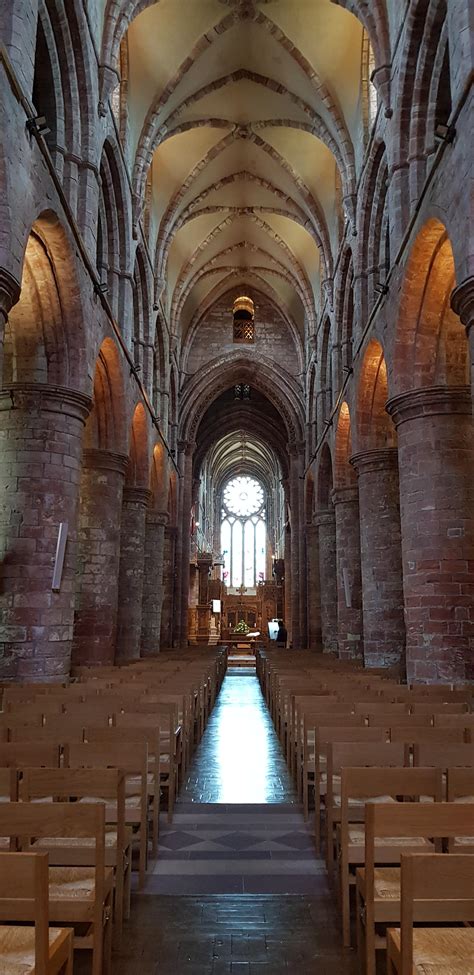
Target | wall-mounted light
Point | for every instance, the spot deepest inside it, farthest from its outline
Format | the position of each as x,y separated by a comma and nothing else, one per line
381,289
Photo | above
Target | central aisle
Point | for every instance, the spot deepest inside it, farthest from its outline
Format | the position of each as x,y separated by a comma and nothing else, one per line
236,887
239,759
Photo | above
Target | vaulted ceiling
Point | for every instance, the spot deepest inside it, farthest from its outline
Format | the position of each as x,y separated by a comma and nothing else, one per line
249,114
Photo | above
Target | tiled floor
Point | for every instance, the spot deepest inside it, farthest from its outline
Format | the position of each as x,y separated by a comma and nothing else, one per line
239,758
236,888
258,935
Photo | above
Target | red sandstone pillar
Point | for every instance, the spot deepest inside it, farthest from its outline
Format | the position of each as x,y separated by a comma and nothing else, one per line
95,629
41,430
349,585
462,302
132,559
295,634
169,588
314,601
153,581
183,552
325,522
381,557
436,461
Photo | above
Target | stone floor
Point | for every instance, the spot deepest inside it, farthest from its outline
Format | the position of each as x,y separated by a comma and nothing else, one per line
239,758
236,887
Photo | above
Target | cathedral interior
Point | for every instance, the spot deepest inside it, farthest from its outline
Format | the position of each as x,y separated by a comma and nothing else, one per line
236,299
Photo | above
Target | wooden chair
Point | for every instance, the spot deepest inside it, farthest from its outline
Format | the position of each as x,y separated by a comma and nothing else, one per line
72,785
140,736
443,755
34,754
371,785
312,721
79,896
324,735
437,950
30,946
169,733
460,788
378,888
346,754
132,758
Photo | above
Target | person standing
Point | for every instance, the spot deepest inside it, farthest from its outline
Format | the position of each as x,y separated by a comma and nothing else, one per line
282,635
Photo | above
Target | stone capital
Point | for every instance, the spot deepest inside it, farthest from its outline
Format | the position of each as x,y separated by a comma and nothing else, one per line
105,460
158,518
346,495
462,301
429,401
370,461
9,292
136,495
42,397
186,447
322,519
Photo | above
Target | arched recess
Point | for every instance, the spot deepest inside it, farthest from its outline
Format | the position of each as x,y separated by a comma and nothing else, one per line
431,346
346,503
142,350
376,463
374,427
312,410
424,92
103,475
326,385
42,413
45,333
114,229
433,415
374,253
62,91
344,473
223,373
156,553
345,313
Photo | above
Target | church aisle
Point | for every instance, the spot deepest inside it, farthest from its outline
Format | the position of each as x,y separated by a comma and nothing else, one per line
236,888
239,759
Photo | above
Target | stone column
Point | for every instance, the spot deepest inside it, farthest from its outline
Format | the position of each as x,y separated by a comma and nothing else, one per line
294,485
9,294
132,559
325,523
314,600
153,582
462,302
95,629
381,557
169,587
183,551
349,585
41,429
436,463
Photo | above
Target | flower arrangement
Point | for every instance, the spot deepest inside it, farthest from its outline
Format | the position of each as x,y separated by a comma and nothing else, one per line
241,627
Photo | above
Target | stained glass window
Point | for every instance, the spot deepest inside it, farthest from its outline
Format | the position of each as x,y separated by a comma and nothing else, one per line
243,532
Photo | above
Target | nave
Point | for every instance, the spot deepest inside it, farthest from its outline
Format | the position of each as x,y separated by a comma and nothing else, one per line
237,887
173,814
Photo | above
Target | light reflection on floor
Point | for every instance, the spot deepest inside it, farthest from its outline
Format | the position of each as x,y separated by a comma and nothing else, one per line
239,759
